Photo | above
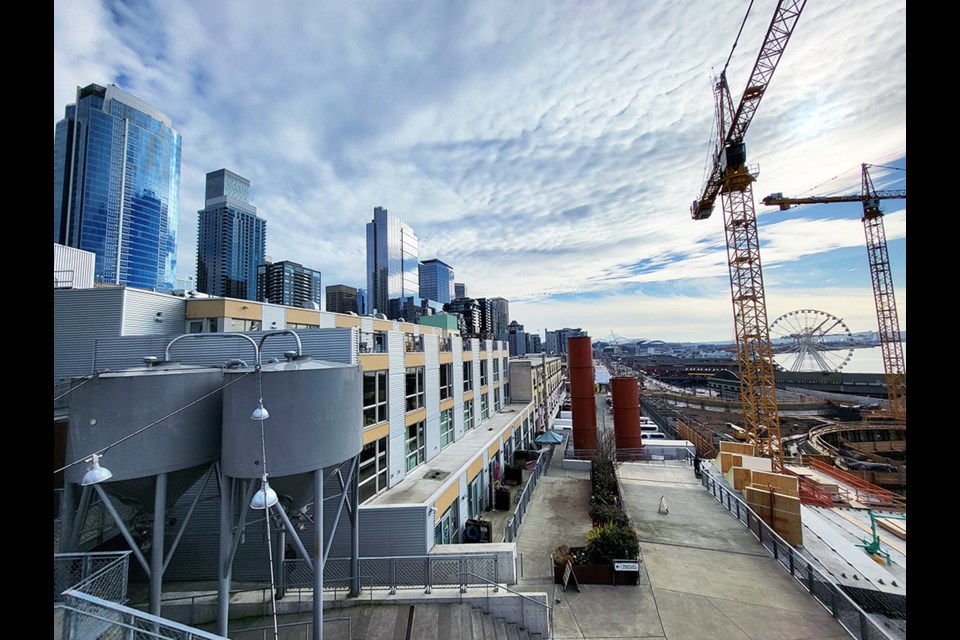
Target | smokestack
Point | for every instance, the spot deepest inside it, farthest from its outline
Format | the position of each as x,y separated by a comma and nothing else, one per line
583,402
626,415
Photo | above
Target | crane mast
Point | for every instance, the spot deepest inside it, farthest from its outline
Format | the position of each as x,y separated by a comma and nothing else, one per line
889,326
732,179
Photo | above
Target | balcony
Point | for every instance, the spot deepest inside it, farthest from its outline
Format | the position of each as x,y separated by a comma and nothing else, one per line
413,344
373,342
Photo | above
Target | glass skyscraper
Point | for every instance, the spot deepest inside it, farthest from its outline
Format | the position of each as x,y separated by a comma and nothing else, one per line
436,280
231,239
393,260
116,187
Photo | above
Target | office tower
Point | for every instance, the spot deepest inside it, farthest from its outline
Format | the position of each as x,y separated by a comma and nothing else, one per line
393,260
500,316
288,283
231,239
557,340
534,344
342,299
116,187
436,280
362,306
459,290
516,338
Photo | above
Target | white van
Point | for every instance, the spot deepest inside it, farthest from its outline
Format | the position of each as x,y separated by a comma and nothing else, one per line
653,436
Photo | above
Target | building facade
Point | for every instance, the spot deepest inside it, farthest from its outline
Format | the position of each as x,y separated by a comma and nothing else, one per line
288,283
459,290
231,239
116,187
557,340
342,299
393,260
469,311
516,338
436,280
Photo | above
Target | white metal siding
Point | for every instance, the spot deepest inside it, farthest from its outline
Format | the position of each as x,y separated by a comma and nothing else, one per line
328,320
431,381
73,267
396,397
457,387
140,309
80,316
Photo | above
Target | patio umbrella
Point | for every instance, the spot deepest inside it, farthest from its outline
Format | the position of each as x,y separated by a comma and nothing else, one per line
549,437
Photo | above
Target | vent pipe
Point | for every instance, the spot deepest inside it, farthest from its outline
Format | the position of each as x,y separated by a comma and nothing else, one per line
626,417
583,401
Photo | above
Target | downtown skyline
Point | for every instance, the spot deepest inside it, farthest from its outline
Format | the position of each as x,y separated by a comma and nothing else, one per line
548,152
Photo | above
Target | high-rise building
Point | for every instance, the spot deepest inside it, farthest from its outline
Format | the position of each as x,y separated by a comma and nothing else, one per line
534,344
469,311
342,299
116,187
500,316
393,260
516,338
231,239
436,280
557,340
459,290
288,283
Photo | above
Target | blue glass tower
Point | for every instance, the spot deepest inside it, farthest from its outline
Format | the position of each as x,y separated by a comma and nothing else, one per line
231,239
393,260
436,280
116,187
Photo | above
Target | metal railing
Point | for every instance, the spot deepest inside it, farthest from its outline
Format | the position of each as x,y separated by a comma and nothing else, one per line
523,499
289,629
545,629
81,616
847,612
102,574
392,573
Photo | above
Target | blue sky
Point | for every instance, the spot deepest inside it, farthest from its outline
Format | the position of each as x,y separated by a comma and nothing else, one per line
547,150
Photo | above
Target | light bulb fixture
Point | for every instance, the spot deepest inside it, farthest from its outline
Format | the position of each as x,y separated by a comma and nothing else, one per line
260,413
95,473
265,497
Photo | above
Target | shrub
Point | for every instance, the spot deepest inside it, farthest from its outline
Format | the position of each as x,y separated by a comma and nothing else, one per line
611,541
606,513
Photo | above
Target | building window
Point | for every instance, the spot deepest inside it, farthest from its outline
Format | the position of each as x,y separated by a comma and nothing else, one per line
374,397
467,376
475,497
446,381
447,530
196,326
414,388
483,373
496,369
518,437
373,469
484,407
416,448
496,399
238,325
468,415
446,427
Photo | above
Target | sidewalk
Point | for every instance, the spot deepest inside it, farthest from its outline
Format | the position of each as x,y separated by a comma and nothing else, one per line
702,573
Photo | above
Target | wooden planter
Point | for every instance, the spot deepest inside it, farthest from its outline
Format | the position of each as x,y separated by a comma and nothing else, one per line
595,574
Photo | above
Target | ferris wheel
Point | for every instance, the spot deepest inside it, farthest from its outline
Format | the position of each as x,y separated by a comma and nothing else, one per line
810,340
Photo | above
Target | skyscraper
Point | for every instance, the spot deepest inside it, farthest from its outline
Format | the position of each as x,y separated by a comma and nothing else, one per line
459,290
393,260
288,283
116,187
436,280
231,239
342,299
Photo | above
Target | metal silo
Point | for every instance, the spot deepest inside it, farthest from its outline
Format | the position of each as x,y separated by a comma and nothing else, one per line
626,417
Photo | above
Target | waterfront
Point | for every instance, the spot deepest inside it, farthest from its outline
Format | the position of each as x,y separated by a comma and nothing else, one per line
870,360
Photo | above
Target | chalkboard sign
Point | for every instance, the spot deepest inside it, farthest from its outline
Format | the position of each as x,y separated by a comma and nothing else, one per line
567,574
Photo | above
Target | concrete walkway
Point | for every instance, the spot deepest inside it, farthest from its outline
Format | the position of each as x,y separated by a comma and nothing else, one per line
703,575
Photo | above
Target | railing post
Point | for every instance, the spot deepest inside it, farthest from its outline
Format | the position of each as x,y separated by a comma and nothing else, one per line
393,576
810,580
463,576
496,575
429,577
792,569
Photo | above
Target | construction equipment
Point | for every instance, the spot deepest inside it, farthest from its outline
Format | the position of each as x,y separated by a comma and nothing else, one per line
889,326
873,546
731,178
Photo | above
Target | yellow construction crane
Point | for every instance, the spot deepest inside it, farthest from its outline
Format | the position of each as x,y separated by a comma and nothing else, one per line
732,179
889,326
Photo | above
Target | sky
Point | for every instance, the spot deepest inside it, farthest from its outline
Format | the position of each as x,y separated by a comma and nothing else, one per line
547,150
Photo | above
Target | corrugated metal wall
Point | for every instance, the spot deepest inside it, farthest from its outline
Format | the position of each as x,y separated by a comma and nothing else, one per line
431,396
457,347
73,267
76,328
396,397
152,314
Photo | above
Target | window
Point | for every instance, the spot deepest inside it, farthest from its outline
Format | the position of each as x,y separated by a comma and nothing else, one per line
496,369
374,397
483,373
484,408
475,497
496,399
416,448
447,530
446,427
373,469
467,376
239,325
468,415
518,436
196,326
414,388
446,381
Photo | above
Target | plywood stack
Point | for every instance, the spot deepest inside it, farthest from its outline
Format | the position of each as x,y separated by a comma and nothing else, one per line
774,497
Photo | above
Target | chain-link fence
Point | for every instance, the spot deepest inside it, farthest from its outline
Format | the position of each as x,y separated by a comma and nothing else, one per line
81,616
102,574
847,612
403,572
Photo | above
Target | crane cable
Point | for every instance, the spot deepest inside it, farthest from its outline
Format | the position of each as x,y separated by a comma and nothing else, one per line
735,42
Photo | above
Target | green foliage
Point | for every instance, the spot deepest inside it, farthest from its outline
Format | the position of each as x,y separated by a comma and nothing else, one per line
611,541
606,513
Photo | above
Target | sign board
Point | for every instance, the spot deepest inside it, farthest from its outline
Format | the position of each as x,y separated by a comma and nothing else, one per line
567,574
626,566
